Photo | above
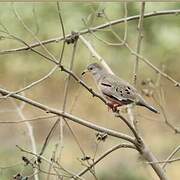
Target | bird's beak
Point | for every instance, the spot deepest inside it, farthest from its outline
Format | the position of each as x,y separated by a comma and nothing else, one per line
84,72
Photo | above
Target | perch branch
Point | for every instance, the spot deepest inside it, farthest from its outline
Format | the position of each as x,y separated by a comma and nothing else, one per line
69,116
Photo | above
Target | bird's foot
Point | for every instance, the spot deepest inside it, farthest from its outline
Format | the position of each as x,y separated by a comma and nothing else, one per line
113,106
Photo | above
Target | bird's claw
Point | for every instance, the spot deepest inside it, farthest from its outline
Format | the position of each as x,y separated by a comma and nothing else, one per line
114,107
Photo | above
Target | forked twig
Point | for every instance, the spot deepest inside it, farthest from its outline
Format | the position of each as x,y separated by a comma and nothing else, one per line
109,151
170,157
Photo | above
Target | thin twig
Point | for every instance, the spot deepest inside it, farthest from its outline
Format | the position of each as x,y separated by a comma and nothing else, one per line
66,96
31,32
62,69
143,148
95,54
94,29
136,65
146,61
170,156
162,103
63,31
140,36
29,120
125,21
132,117
30,133
165,161
137,55
109,151
65,101
55,164
129,126
176,83
56,123
53,157
48,137
68,116
35,82
115,34
167,122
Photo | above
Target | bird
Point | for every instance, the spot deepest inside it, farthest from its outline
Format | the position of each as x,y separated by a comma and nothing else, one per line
116,91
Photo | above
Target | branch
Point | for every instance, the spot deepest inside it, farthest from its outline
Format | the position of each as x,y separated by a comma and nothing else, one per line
31,32
140,36
55,165
176,83
148,155
28,120
144,150
63,30
30,133
165,161
170,156
66,96
62,68
35,82
94,29
95,54
146,61
164,114
130,127
69,116
109,151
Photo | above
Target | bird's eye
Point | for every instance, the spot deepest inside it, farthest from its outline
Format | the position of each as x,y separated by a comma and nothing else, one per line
90,68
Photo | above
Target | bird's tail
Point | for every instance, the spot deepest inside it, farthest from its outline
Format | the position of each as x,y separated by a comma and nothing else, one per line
151,108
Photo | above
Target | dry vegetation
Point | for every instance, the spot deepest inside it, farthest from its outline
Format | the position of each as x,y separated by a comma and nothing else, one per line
54,124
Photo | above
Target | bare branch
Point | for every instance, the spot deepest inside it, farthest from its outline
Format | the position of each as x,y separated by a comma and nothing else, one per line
66,96
164,114
165,161
29,30
170,156
95,54
140,36
30,133
55,164
148,155
109,151
144,150
29,120
125,21
94,29
157,70
35,82
129,126
69,116
60,66
136,142
176,83
63,30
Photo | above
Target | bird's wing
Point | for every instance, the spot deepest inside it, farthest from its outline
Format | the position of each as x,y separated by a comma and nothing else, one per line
116,88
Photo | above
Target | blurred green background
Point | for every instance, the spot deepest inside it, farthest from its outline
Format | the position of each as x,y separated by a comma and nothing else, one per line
160,45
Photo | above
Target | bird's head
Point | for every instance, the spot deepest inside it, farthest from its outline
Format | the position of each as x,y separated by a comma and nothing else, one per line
94,69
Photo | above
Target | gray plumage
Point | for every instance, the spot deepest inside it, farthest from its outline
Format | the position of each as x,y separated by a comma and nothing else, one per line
116,91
